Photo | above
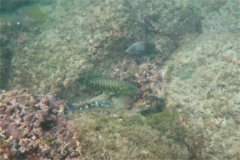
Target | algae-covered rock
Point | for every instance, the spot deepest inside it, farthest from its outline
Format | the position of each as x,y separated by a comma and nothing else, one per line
88,38
221,16
200,78
8,5
118,134
204,88
6,53
170,18
4,72
186,70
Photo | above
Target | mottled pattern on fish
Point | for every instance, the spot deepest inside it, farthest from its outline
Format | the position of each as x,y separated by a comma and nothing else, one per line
95,104
149,104
110,85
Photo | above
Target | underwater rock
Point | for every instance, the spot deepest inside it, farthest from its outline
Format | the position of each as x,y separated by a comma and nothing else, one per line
110,85
6,53
140,48
34,127
149,104
6,5
5,66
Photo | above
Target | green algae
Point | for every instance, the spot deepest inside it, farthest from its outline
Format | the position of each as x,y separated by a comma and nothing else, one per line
186,70
167,121
122,134
6,53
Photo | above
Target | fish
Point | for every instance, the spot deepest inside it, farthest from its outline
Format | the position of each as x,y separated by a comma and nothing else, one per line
95,104
111,85
149,104
141,48
34,13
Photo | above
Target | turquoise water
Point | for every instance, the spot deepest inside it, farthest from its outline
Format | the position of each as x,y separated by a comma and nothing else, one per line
183,57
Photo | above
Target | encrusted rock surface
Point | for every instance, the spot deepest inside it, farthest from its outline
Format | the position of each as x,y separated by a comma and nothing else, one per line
33,127
202,83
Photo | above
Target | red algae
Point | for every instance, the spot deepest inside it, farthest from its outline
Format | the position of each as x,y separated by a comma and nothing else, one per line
34,127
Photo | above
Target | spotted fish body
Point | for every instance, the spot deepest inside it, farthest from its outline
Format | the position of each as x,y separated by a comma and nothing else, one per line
110,85
94,104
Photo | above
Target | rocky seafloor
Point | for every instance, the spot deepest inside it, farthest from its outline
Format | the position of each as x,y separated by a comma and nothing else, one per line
195,72
205,89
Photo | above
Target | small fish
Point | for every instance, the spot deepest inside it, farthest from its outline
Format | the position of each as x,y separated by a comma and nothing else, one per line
141,48
94,104
34,13
111,85
149,104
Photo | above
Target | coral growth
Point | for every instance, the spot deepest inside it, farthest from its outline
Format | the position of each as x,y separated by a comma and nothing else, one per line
149,77
33,127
